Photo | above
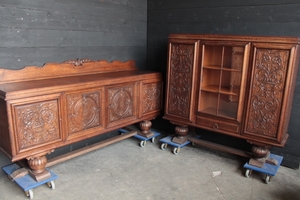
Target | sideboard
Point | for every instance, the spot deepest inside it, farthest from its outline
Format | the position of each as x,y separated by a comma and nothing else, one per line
241,86
44,108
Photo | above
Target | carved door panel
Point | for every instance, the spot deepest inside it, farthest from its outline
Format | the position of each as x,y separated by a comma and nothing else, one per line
36,122
265,116
84,112
151,97
121,104
181,79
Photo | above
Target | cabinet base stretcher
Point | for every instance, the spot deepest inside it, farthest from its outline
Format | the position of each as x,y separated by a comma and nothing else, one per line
168,141
140,137
269,170
26,182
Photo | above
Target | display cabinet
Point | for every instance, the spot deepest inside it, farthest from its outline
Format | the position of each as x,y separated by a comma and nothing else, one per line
241,86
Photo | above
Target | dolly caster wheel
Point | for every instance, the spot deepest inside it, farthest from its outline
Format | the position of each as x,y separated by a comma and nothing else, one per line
51,185
143,143
153,139
248,172
29,193
176,151
268,179
163,146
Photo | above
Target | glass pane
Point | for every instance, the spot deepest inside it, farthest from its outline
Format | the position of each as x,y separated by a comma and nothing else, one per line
227,108
230,83
212,56
211,79
233,58
209,102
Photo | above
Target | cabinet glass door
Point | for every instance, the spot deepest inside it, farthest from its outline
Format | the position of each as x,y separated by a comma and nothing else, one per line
221,79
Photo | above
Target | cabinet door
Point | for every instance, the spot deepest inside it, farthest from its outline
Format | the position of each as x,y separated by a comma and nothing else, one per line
271,80
181,77
121,104
223,78
36,122
150,98
84,112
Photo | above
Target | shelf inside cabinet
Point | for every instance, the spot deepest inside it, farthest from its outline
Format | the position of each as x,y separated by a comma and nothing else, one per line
217,67
221,112
216,89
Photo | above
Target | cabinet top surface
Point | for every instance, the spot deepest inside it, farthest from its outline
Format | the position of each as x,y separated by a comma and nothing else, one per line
114,77
274,39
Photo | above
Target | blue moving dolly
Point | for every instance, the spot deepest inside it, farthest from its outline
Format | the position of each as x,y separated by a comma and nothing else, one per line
26,182
268,169
142,138
168,140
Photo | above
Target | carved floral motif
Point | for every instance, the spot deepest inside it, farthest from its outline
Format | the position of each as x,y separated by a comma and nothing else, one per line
37,123
78,62
83,111
181,66
267,92
120,102
151,97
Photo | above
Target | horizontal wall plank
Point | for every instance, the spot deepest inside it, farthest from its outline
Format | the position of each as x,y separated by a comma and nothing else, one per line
33,32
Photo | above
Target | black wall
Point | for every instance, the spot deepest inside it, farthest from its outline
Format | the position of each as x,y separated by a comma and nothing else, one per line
247,17
33,32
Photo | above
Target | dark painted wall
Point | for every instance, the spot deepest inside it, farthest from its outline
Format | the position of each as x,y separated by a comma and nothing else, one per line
247,17
33,32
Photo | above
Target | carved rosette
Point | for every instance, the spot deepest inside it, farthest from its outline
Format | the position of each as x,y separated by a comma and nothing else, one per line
181,69
270,70
151,97
37,123
83,111
120,102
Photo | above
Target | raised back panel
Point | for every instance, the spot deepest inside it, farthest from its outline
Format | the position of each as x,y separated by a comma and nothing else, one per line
67,68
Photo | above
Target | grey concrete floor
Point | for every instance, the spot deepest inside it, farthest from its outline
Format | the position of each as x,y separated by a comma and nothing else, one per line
125,171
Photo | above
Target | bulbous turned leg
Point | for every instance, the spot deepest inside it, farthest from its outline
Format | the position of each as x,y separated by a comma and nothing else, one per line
261,155
145,129
181,132
38,169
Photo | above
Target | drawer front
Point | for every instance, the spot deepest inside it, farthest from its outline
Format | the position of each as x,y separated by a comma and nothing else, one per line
218,126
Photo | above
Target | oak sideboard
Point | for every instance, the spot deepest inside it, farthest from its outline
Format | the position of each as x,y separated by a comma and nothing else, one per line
44,108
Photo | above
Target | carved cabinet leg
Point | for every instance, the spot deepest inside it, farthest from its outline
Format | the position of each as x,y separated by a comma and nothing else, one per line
181,132
261,155
38,169
145,129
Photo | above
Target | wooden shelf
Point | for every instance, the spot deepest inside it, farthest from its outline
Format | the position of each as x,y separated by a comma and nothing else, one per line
215,89
221,112
218,67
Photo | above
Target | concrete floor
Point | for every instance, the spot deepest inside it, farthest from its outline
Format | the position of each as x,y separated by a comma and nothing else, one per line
125,171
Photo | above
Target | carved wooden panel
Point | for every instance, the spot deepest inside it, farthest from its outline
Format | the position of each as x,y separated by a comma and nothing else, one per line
83,111
269,76
120,102
37,123
151,97
180,79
